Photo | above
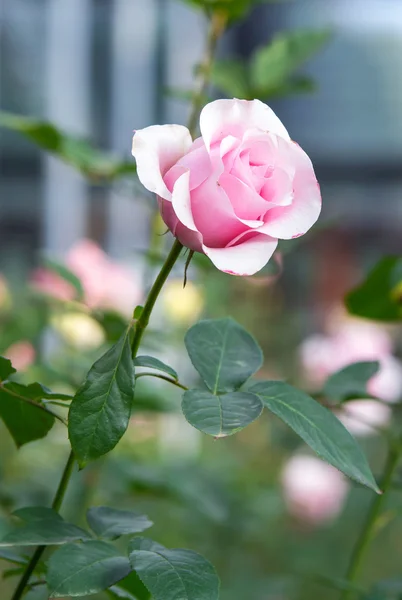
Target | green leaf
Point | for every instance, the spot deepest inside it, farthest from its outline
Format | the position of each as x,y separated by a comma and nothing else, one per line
231,77
294,85
220,415
6,368
36,391
379,297
113,323
272,65
318,427
100,411
118,592
111,523
155,363
25,421
224,354
173,574
351,382
42,527
84,569
77,152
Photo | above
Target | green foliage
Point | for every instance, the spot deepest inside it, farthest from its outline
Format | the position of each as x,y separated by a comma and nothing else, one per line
111,523
77,152
133,584
220,415
273,65
100,410
351,382
379,297
23,415
272,69
224,354
173,574
318,427
155,363
42,526
6,368
84,569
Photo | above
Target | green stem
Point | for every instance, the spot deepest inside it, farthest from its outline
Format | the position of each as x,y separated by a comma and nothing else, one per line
36,556
143,320
217,26
164,377
367,533
33,403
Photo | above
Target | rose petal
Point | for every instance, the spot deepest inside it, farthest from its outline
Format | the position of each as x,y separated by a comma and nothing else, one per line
234,117
181,201
247,204
247,258
156,149
286,222
213,214
190,239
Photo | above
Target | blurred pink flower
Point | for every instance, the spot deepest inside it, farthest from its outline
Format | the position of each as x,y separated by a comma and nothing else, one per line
314,491
347,342
21,354
50,283
106,284
353,341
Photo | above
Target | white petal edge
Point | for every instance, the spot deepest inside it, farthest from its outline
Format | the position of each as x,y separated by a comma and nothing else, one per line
181,201
243,114
156,149
244,259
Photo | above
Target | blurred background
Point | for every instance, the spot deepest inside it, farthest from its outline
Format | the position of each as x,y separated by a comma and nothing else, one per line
100,69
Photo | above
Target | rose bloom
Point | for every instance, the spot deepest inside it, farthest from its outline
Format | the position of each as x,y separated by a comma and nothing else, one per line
234,191
106,283
314,491
21,354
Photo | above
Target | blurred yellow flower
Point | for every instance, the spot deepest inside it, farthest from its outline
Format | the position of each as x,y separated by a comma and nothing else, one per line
5,297
79,330
182,305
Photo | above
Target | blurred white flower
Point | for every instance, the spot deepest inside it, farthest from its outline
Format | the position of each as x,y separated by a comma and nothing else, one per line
314,491
363,417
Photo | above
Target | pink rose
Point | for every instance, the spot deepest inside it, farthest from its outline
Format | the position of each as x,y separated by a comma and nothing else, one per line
50,283
313,491
234,191
21,354
106,284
